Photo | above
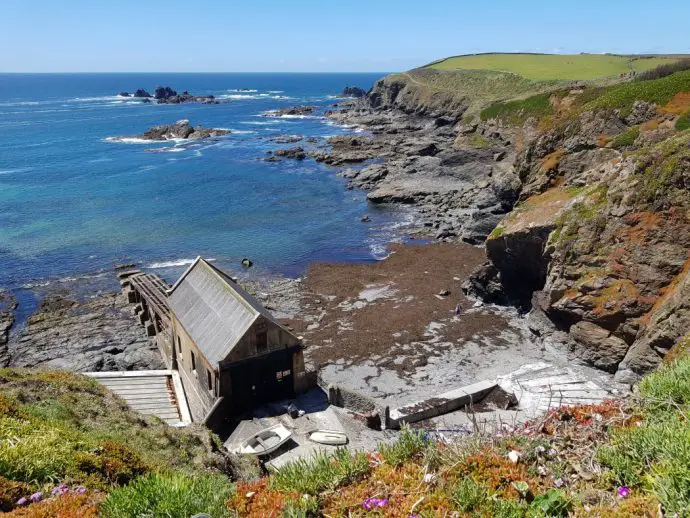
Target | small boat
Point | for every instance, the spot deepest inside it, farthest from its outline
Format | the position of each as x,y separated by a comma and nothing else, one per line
329,437
266,441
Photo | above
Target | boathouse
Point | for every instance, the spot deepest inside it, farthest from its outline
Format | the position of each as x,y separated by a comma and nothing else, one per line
231,353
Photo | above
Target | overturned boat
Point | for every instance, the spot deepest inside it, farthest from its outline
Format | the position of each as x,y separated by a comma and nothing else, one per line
329,437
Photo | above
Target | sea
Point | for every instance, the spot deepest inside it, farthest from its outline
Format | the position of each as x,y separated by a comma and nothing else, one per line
76,199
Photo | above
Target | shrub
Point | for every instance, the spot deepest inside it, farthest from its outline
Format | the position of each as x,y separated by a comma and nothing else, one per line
625,139
517,112
683,122
408,444
659,91
163,495
664,70
320,472
469,496
66,506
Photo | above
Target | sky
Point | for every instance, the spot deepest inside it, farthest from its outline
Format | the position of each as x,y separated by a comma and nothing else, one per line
320,36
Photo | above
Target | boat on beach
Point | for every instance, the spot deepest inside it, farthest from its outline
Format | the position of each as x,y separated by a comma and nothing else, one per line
328,437
266,441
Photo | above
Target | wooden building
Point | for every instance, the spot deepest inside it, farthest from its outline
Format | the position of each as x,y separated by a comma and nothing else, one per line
231,353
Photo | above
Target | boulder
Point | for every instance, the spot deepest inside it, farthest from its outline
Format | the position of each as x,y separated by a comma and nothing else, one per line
596,346
142,93
291,111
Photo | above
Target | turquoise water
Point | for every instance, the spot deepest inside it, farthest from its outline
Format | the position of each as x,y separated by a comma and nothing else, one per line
75,202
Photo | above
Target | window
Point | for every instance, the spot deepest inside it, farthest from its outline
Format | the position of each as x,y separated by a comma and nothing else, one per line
209,378
179,344
261,342
193,361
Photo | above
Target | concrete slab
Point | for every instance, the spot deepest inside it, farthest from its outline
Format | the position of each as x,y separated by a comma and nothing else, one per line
441,404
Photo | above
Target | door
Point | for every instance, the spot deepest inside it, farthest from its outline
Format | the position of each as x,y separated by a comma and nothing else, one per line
260,380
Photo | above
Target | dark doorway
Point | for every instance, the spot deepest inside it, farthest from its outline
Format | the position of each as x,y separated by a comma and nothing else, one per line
261,380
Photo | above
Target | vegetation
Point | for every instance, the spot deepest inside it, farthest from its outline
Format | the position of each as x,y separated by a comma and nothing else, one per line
550,67
66,433
158,495
517,112
665,69
624,95
683,122
613,459
625,139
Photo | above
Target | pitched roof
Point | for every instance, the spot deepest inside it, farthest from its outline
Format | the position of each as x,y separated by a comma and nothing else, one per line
213,309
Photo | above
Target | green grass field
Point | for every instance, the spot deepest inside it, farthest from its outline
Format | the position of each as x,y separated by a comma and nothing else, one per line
553,67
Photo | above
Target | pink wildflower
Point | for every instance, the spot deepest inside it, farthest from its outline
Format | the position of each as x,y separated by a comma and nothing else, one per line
624,492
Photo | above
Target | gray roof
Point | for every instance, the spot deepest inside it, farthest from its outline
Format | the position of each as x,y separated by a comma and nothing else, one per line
213,309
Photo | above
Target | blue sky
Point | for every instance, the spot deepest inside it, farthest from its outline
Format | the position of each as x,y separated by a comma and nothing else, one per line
319,36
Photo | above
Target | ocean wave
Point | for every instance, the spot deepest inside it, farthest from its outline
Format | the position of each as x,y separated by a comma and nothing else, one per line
171,264
262,123
276,91
97,160
127,140
244,90
16,170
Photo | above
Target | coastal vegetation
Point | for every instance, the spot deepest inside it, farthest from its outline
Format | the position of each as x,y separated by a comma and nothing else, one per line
619,458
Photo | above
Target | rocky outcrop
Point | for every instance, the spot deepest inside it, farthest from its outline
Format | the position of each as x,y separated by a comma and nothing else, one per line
166,95
602,239
292,111
286,139
404,93
293,153
142,93
7,306
182,129
98,334
353,91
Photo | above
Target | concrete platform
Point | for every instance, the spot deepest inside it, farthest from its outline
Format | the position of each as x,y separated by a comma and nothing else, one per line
319,415
441,404
157,393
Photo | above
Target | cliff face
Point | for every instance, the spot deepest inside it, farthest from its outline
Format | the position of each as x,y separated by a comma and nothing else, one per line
584,193
404,93
600,239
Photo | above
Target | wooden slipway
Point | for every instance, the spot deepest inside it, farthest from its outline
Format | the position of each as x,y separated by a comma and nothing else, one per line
156,392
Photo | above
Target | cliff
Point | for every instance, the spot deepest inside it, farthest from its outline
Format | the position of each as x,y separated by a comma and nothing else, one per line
588,181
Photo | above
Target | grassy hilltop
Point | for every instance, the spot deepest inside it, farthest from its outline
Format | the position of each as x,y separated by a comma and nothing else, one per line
479,80
554,67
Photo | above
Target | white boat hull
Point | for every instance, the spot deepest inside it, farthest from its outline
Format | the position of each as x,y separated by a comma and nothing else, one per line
328,437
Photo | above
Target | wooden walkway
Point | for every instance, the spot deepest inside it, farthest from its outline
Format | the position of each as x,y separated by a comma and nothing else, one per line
157,393
155,291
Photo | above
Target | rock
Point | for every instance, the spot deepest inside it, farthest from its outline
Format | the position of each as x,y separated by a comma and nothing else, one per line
294,153
444,292
365,219
100,333
8,304
499,156
163,93
124,94
142,93
181,129
353,91
597,346
291,111
286,139
669,322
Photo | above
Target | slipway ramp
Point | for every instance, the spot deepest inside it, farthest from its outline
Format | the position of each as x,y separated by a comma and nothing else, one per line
155,392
